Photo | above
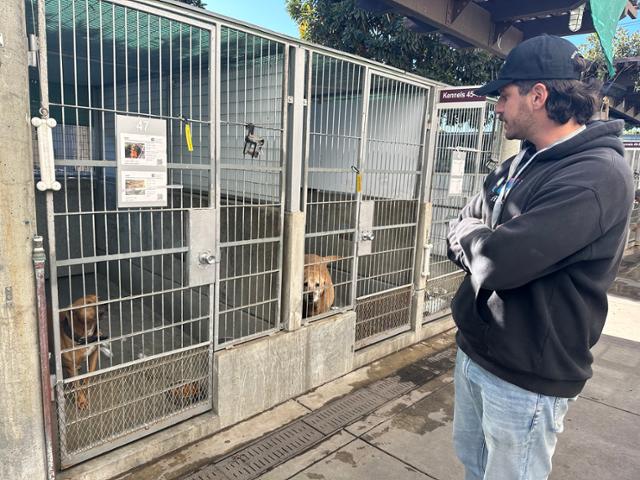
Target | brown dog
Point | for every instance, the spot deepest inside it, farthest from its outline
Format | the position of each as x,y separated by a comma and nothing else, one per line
319,294
187,393
78,327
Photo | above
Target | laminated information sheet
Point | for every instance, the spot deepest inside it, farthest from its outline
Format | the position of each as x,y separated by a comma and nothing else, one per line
456,177
142,161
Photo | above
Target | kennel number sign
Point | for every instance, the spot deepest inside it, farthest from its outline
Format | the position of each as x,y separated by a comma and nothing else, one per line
142,161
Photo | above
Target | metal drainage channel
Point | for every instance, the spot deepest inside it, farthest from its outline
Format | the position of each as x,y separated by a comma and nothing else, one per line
277,447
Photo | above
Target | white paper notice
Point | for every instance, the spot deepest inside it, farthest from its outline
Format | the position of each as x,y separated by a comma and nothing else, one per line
144,186
456,177
455,186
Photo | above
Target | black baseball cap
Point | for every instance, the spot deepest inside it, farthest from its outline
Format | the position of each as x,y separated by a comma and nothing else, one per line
546,57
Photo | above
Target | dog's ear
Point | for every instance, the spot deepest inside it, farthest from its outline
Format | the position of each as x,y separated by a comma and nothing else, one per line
331,258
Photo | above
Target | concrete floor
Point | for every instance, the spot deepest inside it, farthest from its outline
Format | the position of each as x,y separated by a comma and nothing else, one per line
410,437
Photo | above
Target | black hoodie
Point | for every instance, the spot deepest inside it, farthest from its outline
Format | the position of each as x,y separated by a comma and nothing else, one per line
534,300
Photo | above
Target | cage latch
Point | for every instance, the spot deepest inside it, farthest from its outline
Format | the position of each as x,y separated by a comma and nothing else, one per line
207,258
44,126
367,235
252,143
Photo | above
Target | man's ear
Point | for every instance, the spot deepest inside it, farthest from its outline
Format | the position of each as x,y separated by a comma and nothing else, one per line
538,95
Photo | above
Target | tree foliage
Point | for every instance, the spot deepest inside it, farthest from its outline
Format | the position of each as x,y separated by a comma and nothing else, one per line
383,38
624,45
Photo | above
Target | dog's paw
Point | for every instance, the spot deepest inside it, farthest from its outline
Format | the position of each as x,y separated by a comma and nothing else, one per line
82,402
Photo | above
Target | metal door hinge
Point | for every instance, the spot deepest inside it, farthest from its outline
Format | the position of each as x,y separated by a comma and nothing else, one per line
34,48
53,381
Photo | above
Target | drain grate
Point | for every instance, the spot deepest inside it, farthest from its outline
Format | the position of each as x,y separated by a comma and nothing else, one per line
405,380
442,361
210,472
276,448
270,451
392,387
344,411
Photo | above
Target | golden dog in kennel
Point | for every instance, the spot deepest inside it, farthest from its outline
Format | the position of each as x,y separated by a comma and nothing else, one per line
319,293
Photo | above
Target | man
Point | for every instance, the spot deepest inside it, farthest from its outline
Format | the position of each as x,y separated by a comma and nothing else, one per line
541,245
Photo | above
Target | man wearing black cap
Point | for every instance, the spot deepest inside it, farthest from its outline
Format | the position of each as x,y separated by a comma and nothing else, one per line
541,245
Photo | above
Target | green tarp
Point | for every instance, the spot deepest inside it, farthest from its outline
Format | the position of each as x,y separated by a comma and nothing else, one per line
606,14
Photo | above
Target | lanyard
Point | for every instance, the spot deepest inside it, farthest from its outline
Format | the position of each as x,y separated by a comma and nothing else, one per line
513,175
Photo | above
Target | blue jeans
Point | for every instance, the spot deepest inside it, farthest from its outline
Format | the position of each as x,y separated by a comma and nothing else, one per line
501,431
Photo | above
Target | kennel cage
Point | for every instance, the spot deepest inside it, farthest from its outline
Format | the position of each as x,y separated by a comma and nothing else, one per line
184,250
362,188
632,154
467,145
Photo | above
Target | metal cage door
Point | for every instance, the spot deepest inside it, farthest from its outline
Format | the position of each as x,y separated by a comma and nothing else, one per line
389,190
468,134
132,258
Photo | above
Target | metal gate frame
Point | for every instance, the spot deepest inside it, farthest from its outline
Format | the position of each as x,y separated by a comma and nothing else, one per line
368,73
419,190
222,343
311,55
68,459
632,154
452,279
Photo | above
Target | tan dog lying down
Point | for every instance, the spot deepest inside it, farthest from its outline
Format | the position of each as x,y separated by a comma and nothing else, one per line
319,294
80,327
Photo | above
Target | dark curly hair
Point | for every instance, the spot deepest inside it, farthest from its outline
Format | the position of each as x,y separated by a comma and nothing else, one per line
567,98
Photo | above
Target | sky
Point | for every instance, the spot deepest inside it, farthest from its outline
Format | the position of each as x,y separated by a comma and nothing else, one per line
269,14
272,15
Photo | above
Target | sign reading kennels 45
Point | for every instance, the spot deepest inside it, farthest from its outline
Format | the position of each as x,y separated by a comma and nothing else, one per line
458,95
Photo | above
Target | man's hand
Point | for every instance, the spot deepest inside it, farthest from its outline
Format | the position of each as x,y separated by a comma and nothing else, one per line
472,211
457,230
464,227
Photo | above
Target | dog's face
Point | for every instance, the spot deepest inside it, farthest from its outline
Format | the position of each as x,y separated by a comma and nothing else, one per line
85,318
317,283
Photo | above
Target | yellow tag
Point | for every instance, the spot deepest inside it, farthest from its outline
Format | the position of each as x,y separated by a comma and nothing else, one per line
358,183
187,134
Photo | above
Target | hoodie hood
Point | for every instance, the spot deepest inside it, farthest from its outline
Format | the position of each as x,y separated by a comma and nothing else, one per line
598,134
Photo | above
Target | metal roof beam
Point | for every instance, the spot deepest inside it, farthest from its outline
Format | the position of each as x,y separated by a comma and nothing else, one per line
510,10
455,9
555,26
473,25
627,111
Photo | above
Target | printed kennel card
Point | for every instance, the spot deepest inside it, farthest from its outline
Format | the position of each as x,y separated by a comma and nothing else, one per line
456,178
142,161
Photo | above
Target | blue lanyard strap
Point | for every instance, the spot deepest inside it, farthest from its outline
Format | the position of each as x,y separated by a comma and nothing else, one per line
513,175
